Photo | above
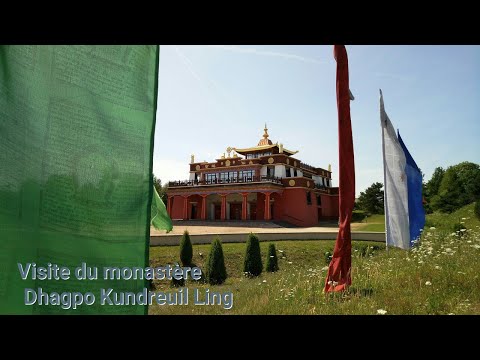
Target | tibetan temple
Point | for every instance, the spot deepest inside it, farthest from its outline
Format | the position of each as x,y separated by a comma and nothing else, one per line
264,182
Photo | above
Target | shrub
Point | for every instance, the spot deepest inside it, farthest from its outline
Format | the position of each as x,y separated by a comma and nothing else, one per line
151,285
177,283
272,261
216,273
476,209
429,223
186,250
457,227
358,215
328,256
253,258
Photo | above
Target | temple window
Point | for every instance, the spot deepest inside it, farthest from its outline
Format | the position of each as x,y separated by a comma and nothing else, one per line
309,198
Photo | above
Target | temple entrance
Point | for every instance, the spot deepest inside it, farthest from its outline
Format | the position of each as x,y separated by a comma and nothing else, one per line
193,211
253,211
218,212
235,211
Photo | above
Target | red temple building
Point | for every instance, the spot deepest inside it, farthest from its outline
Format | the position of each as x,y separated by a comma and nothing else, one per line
264,182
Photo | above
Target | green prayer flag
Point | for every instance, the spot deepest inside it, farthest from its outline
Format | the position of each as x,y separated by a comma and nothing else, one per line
160,218
76,152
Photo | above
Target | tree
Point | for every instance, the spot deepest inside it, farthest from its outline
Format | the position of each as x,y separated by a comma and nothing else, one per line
371,200
272,261
216,272
161,189
252,265
186,250
432,186
459,186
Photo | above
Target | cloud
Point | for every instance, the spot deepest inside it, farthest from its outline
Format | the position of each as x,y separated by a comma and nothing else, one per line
255,51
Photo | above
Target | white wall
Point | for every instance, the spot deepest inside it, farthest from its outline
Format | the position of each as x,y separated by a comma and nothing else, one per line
192,175
263,171
280,171
317,179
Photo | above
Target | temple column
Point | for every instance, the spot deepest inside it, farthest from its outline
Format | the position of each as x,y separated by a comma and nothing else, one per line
267,206
244,206
204,207
223,213
169,205
185,207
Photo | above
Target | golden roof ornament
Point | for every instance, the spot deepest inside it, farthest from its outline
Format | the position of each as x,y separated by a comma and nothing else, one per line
329,167
229,150
192,159
265,140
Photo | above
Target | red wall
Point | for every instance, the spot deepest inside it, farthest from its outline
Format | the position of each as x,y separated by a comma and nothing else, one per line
296,210
329,207
177,208
290,206
278,206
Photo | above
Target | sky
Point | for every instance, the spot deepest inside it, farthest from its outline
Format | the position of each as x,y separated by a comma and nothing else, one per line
213,97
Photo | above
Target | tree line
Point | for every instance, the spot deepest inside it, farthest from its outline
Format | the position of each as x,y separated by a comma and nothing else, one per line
447,190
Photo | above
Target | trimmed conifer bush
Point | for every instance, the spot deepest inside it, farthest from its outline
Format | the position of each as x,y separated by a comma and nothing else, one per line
186,250
177,283
253,259
272,261
216,273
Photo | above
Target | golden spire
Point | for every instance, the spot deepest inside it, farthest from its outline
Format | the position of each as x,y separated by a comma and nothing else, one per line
329,167
265,140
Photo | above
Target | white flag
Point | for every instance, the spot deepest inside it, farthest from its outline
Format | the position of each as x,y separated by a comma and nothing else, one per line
395,183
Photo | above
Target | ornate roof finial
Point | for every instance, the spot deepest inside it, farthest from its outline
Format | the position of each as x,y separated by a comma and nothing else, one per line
265,140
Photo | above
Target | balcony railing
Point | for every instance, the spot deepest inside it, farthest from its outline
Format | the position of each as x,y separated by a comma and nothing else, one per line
246,179
308,167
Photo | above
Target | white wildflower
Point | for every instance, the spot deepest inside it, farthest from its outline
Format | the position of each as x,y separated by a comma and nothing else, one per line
432,228
381,311
428,283
264,281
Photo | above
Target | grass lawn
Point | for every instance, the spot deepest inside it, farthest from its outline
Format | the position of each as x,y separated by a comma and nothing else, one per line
440,276
371,223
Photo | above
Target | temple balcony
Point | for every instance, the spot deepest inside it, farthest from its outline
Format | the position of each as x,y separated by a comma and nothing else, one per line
251,179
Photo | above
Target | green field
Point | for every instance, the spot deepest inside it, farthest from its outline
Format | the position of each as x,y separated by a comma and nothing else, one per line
440,276
371,223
